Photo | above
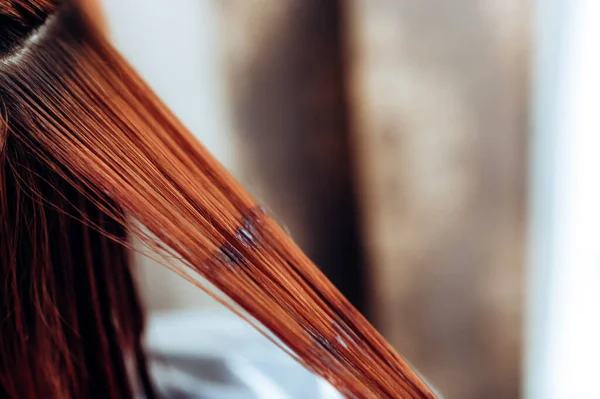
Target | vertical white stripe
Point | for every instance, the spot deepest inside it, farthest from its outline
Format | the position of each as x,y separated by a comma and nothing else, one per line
564,345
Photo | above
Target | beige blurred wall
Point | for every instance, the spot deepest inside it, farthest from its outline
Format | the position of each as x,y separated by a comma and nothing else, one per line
432,110
439,110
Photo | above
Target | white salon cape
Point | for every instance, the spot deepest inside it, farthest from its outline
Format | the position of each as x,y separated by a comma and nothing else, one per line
217,355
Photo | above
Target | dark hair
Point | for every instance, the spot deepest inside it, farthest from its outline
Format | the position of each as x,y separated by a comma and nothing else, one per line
70,319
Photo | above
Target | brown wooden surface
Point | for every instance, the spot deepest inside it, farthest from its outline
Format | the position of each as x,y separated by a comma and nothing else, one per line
438,93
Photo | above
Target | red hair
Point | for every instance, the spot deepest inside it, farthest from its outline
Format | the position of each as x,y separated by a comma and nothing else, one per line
75,107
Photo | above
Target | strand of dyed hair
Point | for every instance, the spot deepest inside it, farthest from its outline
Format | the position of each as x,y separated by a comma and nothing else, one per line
72,102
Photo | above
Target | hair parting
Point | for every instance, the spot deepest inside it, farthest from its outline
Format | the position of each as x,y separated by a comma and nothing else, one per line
84,143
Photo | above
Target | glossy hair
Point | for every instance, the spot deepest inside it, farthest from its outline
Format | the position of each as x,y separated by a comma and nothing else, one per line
74,107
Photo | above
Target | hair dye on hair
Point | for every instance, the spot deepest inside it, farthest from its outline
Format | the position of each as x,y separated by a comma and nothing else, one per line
84,143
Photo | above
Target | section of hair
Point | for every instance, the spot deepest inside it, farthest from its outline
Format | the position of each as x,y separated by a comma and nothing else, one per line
75,104
70,318
69,311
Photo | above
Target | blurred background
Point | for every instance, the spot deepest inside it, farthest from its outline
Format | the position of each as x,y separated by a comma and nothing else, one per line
437,159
